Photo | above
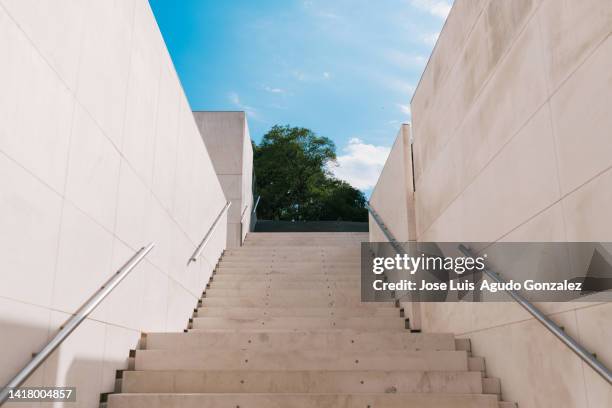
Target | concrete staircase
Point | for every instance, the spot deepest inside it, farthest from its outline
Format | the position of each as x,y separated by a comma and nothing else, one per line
281,325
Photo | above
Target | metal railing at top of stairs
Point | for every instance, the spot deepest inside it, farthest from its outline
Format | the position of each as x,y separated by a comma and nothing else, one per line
198,251
244,210
79,316
256,204
555,329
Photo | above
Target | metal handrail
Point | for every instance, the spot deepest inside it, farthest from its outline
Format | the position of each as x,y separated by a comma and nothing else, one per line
198,251
76,319
243,212
555,329
394,243
256,204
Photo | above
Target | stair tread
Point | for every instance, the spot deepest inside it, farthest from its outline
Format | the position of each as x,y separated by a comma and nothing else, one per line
311,359
252,312
302,381
290,340
389,400
366,323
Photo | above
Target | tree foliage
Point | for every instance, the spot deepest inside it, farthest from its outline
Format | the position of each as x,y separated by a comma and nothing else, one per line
292,177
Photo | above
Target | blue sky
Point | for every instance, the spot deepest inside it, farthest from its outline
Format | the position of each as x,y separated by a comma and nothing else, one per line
344,68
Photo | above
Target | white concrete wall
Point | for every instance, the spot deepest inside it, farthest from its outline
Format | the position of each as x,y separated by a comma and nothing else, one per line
99,155
512,126
227,138
392,197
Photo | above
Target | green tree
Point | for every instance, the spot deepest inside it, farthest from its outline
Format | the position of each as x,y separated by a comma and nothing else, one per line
292,177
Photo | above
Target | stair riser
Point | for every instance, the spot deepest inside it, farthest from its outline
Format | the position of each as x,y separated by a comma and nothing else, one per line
321,276
301,382
303,254
290,270
290,264
293,269
282,302
304,323
293,257
349,340
247,312
301,360
261,293
321,245
226,276
295,251
285,285
354,258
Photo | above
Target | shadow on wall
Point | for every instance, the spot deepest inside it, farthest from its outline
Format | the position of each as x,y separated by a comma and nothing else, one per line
81,367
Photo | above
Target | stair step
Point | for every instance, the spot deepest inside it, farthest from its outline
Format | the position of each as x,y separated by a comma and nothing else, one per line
388,400
352,293
274,286
491,386
311,242
290,266
366,323
288,260
463,344
308,262
303,359
314,242
476,364
276,301
290,263
352,258
292,251
313,257
349,340
258,312
183,381
256,330
290,269
280,278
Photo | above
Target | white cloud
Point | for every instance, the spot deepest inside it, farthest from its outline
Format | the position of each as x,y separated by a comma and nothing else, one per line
274,90
234,98
438,8
405,60
277,106
319,10
405,109
397,85
306,77
299,75
430,39
361,163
